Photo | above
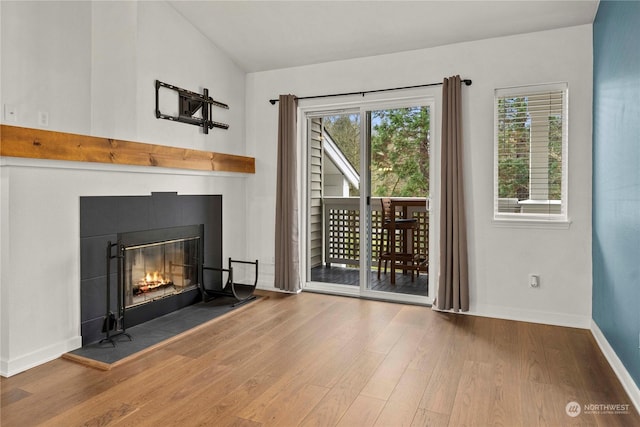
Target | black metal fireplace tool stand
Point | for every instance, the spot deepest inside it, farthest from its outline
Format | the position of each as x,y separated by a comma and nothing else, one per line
243,293
113,324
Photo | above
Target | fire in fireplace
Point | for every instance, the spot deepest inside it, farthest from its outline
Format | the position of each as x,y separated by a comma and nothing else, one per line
160,269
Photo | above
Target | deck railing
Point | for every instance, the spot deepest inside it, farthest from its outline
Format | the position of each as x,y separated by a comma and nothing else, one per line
341,227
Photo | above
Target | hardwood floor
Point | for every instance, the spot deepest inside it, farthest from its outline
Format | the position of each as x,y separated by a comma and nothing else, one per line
313,359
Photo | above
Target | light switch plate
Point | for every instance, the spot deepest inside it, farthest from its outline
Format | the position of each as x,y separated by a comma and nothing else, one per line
10,113
43,119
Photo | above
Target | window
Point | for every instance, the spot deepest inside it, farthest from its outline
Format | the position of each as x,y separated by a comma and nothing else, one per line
531,153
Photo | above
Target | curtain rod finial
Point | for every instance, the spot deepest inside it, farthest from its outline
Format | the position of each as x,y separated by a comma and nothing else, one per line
467,82
273,101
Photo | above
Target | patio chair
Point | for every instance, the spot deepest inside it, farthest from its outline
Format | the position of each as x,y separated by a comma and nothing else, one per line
387,251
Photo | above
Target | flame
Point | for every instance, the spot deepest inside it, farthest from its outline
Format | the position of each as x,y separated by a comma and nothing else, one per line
152,280
155,278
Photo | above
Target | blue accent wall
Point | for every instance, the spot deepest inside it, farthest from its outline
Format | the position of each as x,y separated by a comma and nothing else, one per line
616,178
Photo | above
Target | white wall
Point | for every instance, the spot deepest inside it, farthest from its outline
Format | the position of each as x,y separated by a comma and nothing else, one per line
92,66
501,258
46,63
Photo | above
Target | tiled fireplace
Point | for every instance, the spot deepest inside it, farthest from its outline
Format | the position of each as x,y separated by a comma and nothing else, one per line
156,245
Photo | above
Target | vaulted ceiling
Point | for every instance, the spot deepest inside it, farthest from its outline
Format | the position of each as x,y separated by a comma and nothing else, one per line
264,35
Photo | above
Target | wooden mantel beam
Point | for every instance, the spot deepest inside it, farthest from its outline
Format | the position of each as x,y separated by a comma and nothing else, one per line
44,144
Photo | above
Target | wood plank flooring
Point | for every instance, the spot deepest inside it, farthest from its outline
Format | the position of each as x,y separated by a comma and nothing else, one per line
321,360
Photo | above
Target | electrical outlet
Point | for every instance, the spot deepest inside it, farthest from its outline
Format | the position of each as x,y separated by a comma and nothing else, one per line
534,281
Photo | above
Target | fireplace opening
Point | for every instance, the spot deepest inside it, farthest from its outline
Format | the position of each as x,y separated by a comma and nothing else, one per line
161,269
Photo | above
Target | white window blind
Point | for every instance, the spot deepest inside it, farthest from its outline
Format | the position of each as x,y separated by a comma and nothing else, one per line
531,152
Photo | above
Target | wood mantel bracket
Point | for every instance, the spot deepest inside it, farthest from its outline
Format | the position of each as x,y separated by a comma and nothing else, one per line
44,144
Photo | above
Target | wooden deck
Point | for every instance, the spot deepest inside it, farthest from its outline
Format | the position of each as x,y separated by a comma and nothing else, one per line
351,276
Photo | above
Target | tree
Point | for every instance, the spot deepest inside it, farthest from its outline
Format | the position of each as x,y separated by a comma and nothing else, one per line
513,148
345,132
555,158
400,143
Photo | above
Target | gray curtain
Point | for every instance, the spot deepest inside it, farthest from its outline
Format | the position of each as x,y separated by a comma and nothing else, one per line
287,263
453,280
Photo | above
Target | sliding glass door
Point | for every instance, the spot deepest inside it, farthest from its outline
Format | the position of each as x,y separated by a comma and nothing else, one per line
367,198
334,180
399,169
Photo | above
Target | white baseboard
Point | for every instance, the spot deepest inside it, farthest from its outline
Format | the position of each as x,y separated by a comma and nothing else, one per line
43,355
533,316
265,286
621,372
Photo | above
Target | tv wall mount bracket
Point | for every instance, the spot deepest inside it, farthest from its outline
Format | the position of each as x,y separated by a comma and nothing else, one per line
188,104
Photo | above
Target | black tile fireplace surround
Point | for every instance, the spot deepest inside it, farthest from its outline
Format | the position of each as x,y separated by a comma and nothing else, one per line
104,218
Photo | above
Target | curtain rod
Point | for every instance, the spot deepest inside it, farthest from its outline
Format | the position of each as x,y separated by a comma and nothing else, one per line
364,92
